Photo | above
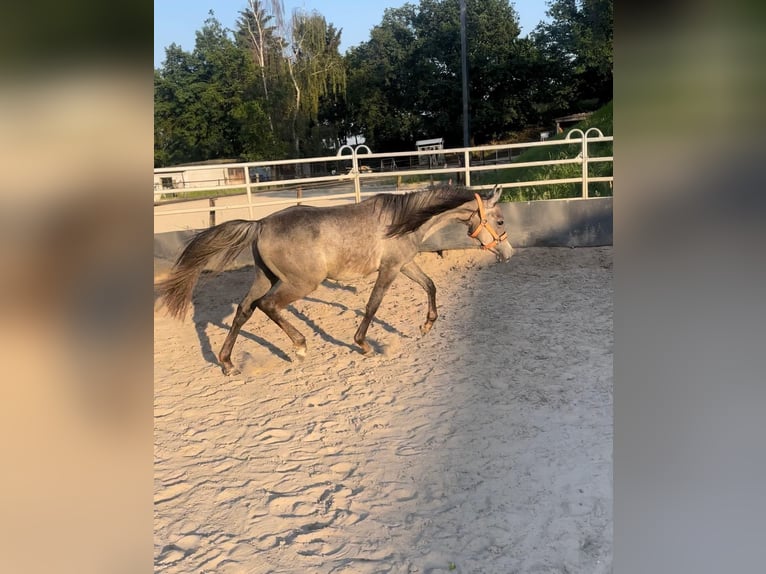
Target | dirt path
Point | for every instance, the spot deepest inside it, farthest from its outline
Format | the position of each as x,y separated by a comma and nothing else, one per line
483,447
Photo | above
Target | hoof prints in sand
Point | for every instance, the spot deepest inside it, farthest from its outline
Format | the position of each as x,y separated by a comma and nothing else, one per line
483,447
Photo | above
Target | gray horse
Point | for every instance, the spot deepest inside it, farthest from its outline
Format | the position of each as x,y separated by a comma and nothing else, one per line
297,248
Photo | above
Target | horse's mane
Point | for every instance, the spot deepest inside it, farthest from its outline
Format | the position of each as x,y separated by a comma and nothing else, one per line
408,211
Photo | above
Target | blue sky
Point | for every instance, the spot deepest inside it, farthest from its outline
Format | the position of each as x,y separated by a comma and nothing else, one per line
178,21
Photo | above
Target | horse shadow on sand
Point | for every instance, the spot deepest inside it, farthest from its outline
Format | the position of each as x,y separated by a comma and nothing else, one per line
218,296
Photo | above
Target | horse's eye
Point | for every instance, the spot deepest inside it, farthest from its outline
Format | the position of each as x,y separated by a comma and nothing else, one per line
500,222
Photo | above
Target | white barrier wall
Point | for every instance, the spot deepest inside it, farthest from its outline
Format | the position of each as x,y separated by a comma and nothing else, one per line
549,223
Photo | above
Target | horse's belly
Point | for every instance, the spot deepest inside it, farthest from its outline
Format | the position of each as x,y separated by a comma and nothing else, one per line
348,273
344,269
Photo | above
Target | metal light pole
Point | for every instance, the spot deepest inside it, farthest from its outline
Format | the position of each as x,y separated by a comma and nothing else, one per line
464,60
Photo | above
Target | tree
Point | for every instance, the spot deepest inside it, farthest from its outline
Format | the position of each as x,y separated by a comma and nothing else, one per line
405,83
578,43
382,83
174,96
278,85
313,64
207,103
256,35
494,61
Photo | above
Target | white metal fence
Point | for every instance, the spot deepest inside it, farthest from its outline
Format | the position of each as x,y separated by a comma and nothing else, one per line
357,172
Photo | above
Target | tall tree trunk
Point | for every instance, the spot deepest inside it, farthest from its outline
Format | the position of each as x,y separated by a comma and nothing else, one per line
296,112
259,51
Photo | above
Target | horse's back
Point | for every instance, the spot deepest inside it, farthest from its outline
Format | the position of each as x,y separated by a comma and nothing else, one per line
339,242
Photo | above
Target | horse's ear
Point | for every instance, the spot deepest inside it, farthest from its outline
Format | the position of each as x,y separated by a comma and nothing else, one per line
497,191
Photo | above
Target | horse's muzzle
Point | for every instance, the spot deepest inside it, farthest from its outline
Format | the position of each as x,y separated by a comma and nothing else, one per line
503,251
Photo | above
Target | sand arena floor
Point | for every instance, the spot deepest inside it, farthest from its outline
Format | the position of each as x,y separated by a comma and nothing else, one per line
484,446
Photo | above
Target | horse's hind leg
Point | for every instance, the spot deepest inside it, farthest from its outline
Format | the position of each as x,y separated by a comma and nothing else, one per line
415,273
260,287
279,297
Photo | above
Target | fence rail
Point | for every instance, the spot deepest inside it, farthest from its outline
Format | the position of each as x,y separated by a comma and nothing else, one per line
342,176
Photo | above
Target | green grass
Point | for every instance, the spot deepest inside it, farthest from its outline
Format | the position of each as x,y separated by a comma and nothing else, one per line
426,179
601,119
202,193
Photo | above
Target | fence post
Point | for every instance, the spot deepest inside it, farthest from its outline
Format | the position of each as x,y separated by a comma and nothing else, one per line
467,167
357,184
299,194
355,163
211,202
249,192
355,175
584,155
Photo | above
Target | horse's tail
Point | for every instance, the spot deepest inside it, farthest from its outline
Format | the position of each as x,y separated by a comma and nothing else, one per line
213,248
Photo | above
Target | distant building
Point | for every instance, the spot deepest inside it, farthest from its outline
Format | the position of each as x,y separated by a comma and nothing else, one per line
215,173
430,144
570,119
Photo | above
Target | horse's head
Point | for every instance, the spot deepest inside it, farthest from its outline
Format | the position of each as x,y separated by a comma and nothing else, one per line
487,225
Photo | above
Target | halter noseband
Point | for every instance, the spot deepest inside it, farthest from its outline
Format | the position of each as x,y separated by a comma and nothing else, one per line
484,224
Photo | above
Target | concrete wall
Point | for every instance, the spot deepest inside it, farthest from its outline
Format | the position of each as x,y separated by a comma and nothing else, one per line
550,223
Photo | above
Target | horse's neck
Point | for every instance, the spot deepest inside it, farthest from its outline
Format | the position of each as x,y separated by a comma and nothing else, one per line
444,219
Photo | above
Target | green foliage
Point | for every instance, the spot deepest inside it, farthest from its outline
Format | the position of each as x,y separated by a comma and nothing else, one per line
254,96
205,103
276,86
202,193
382,83
578,45
405,82
316,71
492,29
601,119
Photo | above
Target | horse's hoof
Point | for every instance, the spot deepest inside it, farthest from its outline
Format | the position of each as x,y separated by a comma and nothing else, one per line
366,350
300,353
231,371
424,329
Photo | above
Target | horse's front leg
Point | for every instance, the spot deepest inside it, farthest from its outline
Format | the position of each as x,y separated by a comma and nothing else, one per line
412,271
386,276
